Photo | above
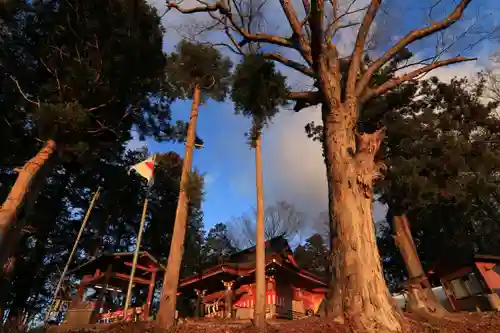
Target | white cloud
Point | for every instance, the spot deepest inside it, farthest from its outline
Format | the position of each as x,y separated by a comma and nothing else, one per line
466,69
294,167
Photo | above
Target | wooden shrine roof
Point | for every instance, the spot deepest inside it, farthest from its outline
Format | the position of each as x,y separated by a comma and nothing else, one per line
453,263
121,263
242,264
211,279
276,245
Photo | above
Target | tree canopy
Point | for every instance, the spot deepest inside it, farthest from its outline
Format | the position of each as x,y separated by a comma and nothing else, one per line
258,91
75,87
313,255
112,227
71,73
442,158
196,65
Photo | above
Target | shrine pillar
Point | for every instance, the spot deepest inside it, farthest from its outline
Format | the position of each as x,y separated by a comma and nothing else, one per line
270,297
198,308
228,300
78,298
151,288
104,287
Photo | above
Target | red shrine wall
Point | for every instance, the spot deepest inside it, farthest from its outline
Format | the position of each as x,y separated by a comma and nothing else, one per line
282,300
490,275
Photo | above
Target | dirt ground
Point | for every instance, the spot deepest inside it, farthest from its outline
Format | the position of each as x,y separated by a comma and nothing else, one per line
468,323
471,323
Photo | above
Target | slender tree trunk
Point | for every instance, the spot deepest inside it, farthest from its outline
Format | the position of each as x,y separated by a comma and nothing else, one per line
26,188
166,313
260,274
421,298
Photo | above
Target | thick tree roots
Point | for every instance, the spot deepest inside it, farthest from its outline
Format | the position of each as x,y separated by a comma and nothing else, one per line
423,303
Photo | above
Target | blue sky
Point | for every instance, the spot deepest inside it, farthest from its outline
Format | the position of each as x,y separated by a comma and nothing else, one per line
228,162
293,165
225,160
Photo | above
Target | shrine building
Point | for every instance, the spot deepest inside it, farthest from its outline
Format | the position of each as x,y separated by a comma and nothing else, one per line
227,290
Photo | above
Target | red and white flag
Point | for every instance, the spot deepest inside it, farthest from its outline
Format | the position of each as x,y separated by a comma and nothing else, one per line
146,168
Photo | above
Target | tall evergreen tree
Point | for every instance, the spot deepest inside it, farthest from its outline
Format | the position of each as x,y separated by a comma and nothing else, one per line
313,255
194,72
112,226
83,87
442,153
218,245
258,91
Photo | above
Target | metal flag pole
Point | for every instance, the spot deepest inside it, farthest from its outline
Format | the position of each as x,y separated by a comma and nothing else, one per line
71,255
137,249
136,255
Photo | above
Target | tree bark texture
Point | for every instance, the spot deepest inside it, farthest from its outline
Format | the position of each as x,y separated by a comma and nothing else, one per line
360,295
260,265
28,184
168,300
421,298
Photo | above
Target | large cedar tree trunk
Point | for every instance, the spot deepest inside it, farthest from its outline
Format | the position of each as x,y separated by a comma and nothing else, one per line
26,188
9,248
168,300
360,295
260,265
421,298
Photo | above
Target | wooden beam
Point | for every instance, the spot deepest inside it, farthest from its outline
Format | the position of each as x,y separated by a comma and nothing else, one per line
99,303
143,268
89,279
127,277
150,294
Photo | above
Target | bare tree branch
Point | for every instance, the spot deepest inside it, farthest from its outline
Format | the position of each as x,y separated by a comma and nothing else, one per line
291,15
316,24
409,39
37,103
406,77
492,77
359,47
220,7
289,63
281,219
343,26
335,25
313,97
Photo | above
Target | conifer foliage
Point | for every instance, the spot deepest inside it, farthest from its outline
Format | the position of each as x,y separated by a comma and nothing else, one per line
197,65
258,91
83,84
442,156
